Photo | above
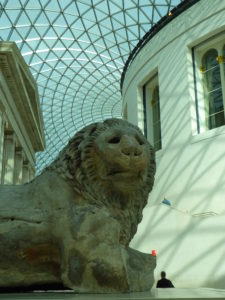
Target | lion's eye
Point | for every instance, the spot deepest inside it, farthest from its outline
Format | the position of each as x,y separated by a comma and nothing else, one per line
140,141
114,140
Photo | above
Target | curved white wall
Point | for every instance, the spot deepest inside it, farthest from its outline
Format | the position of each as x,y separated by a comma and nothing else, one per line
190,166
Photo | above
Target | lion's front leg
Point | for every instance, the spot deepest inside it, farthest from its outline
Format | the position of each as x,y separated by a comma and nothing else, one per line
93,260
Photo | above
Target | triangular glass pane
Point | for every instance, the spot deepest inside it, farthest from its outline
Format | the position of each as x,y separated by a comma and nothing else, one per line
33,14
115,7
163,10
11,5
134,30
61,21
5,21
97,41
160,2
101,15
50,42
42,29
42,19
35,58
133,14
59,45
42,46
50,32
72,8
78,24
4,34
145,14
61,64
67,42
52,6
68,55
88,24
94,30
84,37
23,20
33,4
70,19
52,56
44,2
102,6
91,49
146,27
42,55
26,48
65,3
75,47
59,30
129,5
23,30
117,24
15,36
52,16
157,16
33,34
119,17
68,34
131,36
83,8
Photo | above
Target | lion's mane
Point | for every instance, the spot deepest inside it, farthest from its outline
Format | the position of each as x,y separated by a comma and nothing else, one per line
75,164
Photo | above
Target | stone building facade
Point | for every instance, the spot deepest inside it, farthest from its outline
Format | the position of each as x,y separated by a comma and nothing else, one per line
21,123
174,90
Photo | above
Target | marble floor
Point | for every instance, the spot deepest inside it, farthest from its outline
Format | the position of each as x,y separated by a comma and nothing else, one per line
200,293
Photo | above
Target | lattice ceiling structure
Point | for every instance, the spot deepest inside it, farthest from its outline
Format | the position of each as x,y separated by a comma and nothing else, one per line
76,51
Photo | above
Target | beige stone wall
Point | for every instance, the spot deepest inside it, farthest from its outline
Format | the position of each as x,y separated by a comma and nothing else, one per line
21,124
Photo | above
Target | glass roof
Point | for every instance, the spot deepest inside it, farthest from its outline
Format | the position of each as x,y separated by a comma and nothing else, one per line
76,51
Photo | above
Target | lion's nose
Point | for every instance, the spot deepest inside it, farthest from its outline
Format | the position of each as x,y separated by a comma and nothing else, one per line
130,146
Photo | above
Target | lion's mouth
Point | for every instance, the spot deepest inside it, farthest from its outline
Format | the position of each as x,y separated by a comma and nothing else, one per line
116,172
124,173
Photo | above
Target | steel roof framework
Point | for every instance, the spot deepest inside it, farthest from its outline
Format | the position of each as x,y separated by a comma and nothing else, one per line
76,51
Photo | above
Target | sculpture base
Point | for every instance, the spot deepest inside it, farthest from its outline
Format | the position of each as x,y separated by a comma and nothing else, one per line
172,294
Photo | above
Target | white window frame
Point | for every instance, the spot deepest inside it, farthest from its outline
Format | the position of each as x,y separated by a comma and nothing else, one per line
149,89
217,43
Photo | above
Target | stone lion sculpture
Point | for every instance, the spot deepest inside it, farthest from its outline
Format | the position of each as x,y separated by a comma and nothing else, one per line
72,224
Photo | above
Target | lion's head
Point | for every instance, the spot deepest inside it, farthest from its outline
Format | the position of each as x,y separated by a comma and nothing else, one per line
110,164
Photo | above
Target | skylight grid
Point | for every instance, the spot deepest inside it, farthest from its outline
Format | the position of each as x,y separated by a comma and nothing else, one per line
76,50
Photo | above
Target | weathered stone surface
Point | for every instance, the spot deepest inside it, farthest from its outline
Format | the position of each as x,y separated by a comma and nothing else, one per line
72,224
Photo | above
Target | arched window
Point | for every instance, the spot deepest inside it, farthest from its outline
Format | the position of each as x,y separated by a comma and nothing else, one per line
212,89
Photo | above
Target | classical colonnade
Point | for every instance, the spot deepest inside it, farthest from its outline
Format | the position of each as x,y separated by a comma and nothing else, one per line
14,165
21,123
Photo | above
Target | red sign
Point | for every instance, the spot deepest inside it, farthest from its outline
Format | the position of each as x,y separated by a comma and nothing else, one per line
153,252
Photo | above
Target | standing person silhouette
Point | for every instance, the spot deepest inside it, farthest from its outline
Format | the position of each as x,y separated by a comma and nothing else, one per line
164,282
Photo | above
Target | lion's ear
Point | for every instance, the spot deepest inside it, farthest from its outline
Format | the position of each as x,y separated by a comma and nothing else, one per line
93,129
87,132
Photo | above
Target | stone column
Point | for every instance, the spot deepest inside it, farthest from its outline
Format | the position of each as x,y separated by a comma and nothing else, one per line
18,170
2,128
8,157
25,172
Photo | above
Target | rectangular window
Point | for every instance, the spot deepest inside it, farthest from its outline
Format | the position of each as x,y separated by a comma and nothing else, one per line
152,112
210,82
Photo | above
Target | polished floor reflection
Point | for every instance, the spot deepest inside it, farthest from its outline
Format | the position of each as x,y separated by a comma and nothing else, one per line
201,293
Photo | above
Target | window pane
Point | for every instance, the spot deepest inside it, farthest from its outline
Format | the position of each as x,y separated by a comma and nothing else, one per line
213,90
156,119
